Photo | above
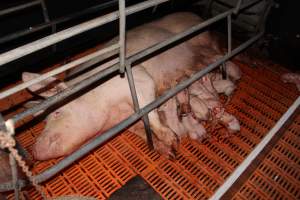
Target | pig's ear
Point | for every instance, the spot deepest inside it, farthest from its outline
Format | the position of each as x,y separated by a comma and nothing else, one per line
45,88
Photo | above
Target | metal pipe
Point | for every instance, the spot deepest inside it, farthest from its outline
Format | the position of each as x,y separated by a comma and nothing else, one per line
122,34
229,36
251,157
70,32
45,10
130,120
135,101
19,7
229,33
97,54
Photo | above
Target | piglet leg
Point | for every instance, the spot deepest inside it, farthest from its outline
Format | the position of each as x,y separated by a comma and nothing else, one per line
195,130
170,117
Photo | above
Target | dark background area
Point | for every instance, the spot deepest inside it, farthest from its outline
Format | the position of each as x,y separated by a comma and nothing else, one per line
281,42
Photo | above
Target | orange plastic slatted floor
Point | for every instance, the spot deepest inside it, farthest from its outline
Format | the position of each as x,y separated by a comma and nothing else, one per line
200,169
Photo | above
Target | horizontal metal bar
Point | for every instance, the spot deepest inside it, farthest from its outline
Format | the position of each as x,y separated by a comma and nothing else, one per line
19,7
249,4
59,70
251,157
70,32
55,22
130,120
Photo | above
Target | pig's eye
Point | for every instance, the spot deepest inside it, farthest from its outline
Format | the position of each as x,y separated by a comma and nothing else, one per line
56,114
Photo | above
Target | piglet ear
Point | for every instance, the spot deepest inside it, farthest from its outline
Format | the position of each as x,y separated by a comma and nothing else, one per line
233,71
45,88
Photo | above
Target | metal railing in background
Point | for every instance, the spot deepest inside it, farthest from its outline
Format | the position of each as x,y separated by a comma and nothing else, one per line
19,7
128,61
48,23
30,5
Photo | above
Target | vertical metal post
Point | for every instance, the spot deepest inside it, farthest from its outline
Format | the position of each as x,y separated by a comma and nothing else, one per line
122,29
229,46
229,33
47,20
145,118
45,11
14,172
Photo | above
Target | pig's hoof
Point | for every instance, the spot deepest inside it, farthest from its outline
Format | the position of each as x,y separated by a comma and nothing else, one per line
169,137
165,150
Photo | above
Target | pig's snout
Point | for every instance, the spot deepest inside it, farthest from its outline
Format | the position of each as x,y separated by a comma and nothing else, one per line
45,145
234,126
